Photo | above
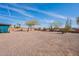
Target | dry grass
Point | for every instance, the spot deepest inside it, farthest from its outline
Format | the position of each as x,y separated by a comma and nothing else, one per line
39,43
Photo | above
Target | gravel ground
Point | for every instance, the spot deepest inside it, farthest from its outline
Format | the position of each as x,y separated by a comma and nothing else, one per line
39,44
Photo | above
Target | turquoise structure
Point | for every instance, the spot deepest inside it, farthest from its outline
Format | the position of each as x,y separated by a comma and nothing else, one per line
4,28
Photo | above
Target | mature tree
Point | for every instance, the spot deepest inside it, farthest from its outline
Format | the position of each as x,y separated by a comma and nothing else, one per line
17,25
78,20
31,23
55,24
14,26
68,25
50,26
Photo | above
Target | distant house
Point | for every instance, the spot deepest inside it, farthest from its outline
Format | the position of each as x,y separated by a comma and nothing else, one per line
4,28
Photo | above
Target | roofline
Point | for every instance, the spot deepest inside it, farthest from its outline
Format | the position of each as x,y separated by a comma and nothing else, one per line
5,24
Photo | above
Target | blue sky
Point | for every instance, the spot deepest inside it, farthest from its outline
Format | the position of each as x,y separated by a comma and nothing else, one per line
45,13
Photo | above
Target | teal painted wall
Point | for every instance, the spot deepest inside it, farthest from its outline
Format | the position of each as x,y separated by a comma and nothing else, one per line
4,29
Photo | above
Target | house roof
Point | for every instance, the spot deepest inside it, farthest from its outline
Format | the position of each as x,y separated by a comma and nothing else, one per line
5,24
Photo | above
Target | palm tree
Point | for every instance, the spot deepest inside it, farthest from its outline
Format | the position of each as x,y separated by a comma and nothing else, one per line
31,23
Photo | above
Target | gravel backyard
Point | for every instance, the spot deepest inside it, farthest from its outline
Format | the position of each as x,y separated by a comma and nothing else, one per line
39,44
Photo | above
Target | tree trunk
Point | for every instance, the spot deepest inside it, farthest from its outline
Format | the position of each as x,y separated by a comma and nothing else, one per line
28,29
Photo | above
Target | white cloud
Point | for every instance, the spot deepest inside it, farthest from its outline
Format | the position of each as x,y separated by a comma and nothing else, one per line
13,20
17,10
44,12
41,11
37,10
